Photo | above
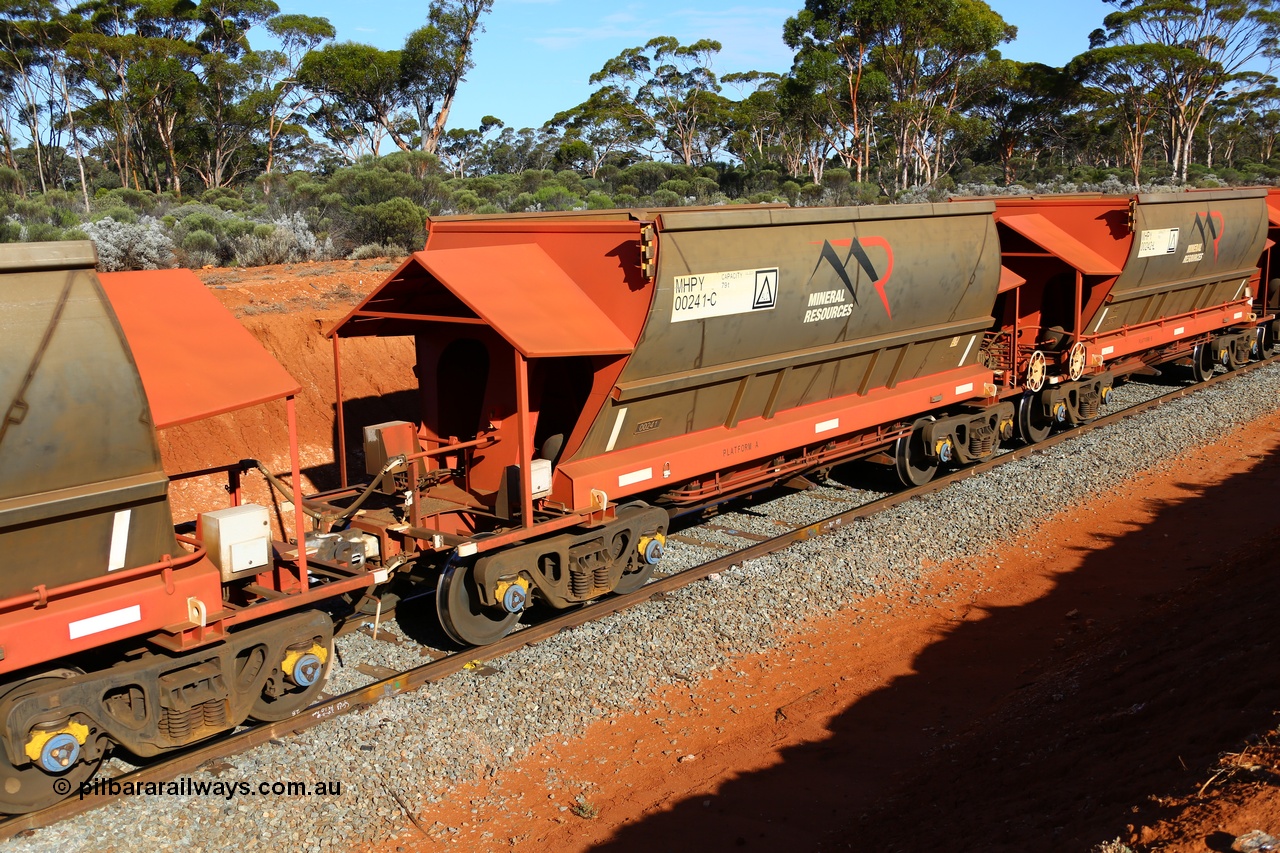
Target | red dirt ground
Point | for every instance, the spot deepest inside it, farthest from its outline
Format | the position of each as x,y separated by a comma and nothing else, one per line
1060,695
1069,692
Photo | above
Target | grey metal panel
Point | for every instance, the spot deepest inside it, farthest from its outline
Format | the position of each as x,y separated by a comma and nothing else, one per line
937,265
1178,282
749,217
33,257
1199,197
74,421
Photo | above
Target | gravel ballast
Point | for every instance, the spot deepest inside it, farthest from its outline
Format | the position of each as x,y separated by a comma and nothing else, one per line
405,753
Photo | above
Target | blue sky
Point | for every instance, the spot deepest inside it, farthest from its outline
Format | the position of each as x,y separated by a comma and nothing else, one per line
535,56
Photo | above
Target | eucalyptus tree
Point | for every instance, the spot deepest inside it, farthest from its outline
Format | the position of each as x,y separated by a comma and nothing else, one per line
361,99
1121,81
1022,108
601,127
436,59
671,89
276,92
1188,52
24,60
833,40
930,52
460,148
225,71
139,56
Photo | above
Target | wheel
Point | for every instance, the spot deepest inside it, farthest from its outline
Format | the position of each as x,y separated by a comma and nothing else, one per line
1033,425
1037,370
30,787
913,465
1075,361
302,687
638,570
462,615
636,576
1202,363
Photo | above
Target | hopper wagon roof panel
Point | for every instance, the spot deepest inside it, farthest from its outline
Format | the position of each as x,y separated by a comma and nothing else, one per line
196,360
1061,244
516,289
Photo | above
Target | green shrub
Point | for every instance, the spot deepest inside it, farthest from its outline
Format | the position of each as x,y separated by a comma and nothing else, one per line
200,241
666,198
120,214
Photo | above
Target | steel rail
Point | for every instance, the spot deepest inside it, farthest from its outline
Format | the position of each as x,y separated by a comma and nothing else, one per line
232,743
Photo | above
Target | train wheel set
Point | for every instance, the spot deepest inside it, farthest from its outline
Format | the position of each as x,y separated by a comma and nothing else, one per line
583,378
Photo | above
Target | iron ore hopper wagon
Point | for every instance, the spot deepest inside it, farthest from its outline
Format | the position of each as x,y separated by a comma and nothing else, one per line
582,378
115,632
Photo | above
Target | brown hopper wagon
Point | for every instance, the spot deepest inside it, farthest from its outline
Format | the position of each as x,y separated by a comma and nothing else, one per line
570,364
113,630
1107,286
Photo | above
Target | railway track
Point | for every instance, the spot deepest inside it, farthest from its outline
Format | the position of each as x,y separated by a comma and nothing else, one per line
451,663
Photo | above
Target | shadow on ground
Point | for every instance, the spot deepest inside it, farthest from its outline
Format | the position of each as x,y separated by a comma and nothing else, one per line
1048,726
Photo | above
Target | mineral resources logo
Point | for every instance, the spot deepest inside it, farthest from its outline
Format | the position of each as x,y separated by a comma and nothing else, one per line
857,252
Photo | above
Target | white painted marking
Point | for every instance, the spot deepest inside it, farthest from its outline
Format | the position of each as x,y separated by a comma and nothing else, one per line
635,477
972,338
1108,350
1179,330
466,549
617,428
1101,317
1237,315
1158,241
720,294
105,621
965,388
826,426
119,540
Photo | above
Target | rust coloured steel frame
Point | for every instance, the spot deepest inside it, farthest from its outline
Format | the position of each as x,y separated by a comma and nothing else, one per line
147,372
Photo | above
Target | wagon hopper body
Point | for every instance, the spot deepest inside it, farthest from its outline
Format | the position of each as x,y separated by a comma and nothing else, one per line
112,630
570,364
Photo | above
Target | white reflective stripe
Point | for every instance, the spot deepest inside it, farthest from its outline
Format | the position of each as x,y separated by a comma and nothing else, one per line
1238,315
826,426
965,388
1179,330
1108,350
466,549
635,477
1101,317
972,338
617,428
119,540
105,621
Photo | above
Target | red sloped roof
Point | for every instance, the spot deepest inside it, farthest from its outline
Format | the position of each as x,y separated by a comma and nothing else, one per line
195,358
516,289
1058,242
